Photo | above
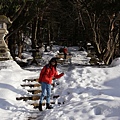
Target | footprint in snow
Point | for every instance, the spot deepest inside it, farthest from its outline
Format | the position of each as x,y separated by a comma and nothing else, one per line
98,111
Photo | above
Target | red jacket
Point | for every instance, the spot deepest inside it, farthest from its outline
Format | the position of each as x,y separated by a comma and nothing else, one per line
65,50
48,73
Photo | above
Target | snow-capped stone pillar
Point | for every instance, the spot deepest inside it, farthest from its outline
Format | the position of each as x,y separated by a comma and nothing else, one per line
4,51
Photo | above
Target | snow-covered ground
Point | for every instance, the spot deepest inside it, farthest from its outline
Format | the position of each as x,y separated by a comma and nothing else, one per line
86,93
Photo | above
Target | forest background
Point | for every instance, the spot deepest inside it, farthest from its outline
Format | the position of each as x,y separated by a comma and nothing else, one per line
64,22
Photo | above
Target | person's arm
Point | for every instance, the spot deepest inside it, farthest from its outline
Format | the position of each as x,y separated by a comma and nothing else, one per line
58,75
41,74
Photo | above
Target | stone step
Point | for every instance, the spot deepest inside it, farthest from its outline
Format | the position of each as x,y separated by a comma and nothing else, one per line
36,105
30,80
31,85
36,85
34,97
34,91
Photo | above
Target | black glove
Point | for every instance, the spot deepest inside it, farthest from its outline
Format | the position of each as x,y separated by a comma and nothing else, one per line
62,73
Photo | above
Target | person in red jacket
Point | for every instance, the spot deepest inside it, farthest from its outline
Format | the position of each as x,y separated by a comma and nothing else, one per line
65,51
47,74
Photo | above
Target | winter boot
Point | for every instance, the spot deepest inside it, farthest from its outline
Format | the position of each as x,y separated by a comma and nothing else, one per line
40,107
48,106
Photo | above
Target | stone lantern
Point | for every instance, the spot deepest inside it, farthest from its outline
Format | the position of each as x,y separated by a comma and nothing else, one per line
4,51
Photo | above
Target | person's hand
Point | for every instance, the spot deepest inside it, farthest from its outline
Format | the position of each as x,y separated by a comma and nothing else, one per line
62,73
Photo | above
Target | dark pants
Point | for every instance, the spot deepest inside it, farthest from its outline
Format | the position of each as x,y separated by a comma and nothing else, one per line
65,55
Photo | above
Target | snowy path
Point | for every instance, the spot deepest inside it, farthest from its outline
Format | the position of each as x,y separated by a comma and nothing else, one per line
84,94
79,90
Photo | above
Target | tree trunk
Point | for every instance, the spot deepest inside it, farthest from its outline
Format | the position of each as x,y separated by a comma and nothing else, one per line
34,41
49,34
20,45
111,42
11,45
20,48
94,24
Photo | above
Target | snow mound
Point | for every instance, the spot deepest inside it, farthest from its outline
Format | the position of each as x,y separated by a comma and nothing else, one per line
115,62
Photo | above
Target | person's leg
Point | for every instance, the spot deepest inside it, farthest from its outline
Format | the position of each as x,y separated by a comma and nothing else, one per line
48,89
48,106
43,87
65,55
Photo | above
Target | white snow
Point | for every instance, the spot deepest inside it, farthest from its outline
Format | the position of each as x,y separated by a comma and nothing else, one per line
86,93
